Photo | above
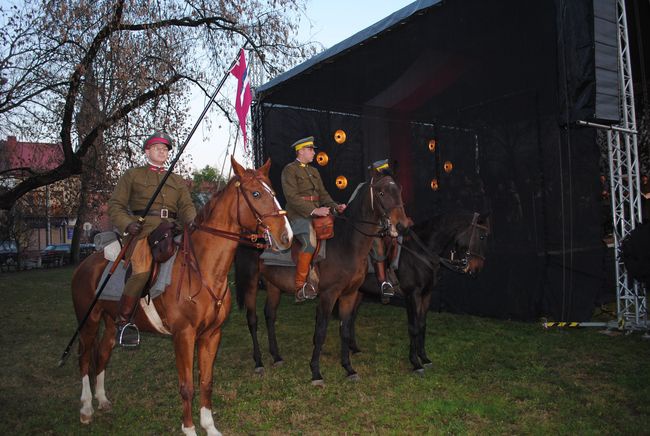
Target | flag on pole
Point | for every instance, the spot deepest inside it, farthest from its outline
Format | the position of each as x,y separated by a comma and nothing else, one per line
244,97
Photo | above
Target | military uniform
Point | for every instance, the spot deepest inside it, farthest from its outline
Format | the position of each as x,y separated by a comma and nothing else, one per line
133,192
304,191
127,204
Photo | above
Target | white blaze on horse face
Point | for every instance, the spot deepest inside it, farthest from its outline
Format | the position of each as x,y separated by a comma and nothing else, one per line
277,204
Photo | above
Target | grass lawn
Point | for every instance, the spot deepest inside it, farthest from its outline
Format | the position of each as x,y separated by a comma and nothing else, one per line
489,376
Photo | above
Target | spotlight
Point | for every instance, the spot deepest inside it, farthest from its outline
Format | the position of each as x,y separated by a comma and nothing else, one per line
322,158
341,182
448,166
339,136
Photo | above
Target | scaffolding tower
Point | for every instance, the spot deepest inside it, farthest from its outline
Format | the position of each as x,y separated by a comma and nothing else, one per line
625,186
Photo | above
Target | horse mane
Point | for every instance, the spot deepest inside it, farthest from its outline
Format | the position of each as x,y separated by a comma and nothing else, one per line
206,211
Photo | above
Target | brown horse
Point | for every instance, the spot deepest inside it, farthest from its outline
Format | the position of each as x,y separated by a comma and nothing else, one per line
196,302
457,241
341,273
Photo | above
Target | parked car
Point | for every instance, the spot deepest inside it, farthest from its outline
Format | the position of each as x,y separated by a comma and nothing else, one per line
8,253
86,250
55,255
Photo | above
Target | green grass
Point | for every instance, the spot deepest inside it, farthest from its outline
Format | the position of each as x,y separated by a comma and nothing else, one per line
489,376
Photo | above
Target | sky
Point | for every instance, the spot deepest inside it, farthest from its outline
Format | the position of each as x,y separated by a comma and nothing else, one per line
325,21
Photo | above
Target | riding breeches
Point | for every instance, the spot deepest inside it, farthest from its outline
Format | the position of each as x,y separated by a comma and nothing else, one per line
304,232
141,268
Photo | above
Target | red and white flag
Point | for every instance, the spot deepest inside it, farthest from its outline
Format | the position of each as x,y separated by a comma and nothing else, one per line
244,96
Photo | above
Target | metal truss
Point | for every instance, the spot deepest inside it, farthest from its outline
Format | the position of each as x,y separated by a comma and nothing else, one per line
625,186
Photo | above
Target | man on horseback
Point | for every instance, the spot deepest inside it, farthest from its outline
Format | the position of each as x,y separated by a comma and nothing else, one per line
306,198
384,249
130,198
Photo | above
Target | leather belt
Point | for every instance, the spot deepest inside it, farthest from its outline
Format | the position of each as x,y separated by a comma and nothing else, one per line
162,213
311,198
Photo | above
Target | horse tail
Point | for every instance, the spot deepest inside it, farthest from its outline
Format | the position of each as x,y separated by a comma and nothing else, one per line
247,271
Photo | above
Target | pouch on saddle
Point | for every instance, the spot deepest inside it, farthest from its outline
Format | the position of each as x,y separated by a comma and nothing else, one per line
161,241
323,227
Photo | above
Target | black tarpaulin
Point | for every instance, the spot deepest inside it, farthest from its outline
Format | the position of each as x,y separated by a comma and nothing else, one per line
497,85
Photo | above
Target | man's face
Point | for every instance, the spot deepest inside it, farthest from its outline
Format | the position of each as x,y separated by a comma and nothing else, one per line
157,154
306,155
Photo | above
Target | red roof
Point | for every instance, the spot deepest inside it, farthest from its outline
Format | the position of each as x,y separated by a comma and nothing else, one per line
39,156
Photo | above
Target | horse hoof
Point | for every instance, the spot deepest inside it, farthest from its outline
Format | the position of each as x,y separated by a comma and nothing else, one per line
106,406
419,372
354,377
318,383
278,363
85,419
259,370
428,365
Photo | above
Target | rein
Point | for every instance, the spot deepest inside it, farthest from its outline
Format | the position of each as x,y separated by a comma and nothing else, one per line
246,238
456,265
243,237
384,215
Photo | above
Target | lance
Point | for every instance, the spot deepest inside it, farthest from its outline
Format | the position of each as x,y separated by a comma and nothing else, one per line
144,213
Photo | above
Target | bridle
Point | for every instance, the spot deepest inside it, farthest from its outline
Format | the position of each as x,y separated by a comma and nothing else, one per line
384,220
247,236
459,265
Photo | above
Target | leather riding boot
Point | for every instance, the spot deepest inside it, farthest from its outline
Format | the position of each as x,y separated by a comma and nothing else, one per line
304,290
127,332
385,286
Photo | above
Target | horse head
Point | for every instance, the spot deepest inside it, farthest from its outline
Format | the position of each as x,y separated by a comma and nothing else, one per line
386,200
472,243
260,210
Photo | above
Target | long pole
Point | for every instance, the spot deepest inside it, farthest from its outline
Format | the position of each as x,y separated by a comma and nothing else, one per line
146,211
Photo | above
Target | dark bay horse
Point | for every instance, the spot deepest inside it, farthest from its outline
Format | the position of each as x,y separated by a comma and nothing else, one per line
197,301
341,273
456,241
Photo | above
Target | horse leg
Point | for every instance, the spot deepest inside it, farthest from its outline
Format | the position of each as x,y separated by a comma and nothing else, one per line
354,347
184,350
87,338
323,313
250,301
422,323
273,294
412,301
346,311
102,356
208,344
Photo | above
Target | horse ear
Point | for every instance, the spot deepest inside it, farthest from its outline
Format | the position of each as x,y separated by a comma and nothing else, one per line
484,219
238,169
266,167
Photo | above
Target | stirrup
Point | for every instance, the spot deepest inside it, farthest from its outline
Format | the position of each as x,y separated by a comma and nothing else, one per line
303,294
387,291
128,335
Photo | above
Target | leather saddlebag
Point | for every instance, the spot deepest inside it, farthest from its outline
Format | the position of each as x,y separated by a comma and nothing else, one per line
323,226
161,241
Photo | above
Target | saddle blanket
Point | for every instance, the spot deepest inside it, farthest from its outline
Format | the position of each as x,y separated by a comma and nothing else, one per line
283,258
115,285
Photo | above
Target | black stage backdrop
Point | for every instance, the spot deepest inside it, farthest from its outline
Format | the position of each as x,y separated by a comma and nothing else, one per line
499,86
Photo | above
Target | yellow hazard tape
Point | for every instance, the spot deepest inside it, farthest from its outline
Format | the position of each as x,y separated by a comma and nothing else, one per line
561,324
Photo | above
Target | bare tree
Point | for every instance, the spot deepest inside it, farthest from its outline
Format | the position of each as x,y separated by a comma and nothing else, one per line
144,55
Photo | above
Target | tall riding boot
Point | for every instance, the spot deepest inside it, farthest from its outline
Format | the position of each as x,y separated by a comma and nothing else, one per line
385,286
127,333
304,290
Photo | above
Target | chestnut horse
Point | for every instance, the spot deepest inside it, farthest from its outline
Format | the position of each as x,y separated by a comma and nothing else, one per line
196,302
457,241
341,272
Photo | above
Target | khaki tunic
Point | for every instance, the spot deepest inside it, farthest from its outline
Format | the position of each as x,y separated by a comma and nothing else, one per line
136,187
301,180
